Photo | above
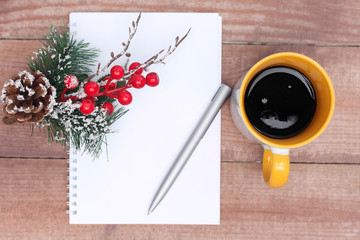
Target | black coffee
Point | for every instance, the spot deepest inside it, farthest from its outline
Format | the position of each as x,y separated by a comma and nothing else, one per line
280,102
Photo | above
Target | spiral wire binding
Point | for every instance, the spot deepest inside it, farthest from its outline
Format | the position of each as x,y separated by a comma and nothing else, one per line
72,169
72,187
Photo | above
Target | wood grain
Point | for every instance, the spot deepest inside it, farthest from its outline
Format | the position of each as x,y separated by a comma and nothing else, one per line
305,22
322,197
319,202
337,144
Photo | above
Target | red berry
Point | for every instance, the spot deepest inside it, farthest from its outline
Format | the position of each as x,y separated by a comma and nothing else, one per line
117,72
134,66
91,88
152,79
125,98
108,107
87,107
71,81
137,81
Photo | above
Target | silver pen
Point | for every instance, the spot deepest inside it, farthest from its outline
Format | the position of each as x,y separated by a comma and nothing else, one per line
216,103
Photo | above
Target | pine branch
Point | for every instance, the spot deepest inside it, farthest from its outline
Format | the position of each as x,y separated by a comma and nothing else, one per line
62,55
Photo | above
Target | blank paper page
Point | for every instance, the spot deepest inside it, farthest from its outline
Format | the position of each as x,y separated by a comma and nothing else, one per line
119,188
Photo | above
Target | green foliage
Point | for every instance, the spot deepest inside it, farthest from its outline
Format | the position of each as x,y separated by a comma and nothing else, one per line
86,138
62,55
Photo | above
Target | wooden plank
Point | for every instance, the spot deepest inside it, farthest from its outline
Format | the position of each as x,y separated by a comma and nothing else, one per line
320,22
320,201
337,144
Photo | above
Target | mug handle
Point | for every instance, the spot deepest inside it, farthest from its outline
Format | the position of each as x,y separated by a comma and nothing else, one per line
275,166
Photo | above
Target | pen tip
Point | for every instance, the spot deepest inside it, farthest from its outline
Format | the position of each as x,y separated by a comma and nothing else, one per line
151,209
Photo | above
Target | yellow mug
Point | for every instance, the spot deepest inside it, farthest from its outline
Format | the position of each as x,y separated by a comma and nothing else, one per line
276,151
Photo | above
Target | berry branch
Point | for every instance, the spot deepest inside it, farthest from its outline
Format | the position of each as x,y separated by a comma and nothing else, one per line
132,32
89,90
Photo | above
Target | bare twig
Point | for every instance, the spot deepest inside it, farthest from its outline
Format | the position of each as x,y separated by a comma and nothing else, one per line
154,59
98,69
127,63
132,32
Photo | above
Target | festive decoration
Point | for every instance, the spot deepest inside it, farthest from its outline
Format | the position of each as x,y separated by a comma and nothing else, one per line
62,96
125,98
71,81
137,81
134,66
28,98
117,72
152,79
91,89
87,106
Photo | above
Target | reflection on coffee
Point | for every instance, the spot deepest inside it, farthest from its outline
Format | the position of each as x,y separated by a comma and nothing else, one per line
280,102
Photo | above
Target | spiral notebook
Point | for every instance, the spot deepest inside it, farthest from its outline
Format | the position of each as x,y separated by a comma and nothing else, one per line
118,187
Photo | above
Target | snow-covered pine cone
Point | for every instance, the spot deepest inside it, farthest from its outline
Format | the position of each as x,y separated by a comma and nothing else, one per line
28,97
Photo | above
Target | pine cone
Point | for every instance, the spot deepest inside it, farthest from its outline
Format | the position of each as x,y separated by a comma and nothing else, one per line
27,97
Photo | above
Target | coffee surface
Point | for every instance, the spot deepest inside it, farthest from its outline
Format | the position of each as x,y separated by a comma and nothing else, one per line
280,102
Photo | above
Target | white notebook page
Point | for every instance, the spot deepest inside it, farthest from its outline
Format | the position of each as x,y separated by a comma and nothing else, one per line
119,190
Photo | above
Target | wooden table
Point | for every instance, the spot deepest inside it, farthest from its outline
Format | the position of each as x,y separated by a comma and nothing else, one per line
322,197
